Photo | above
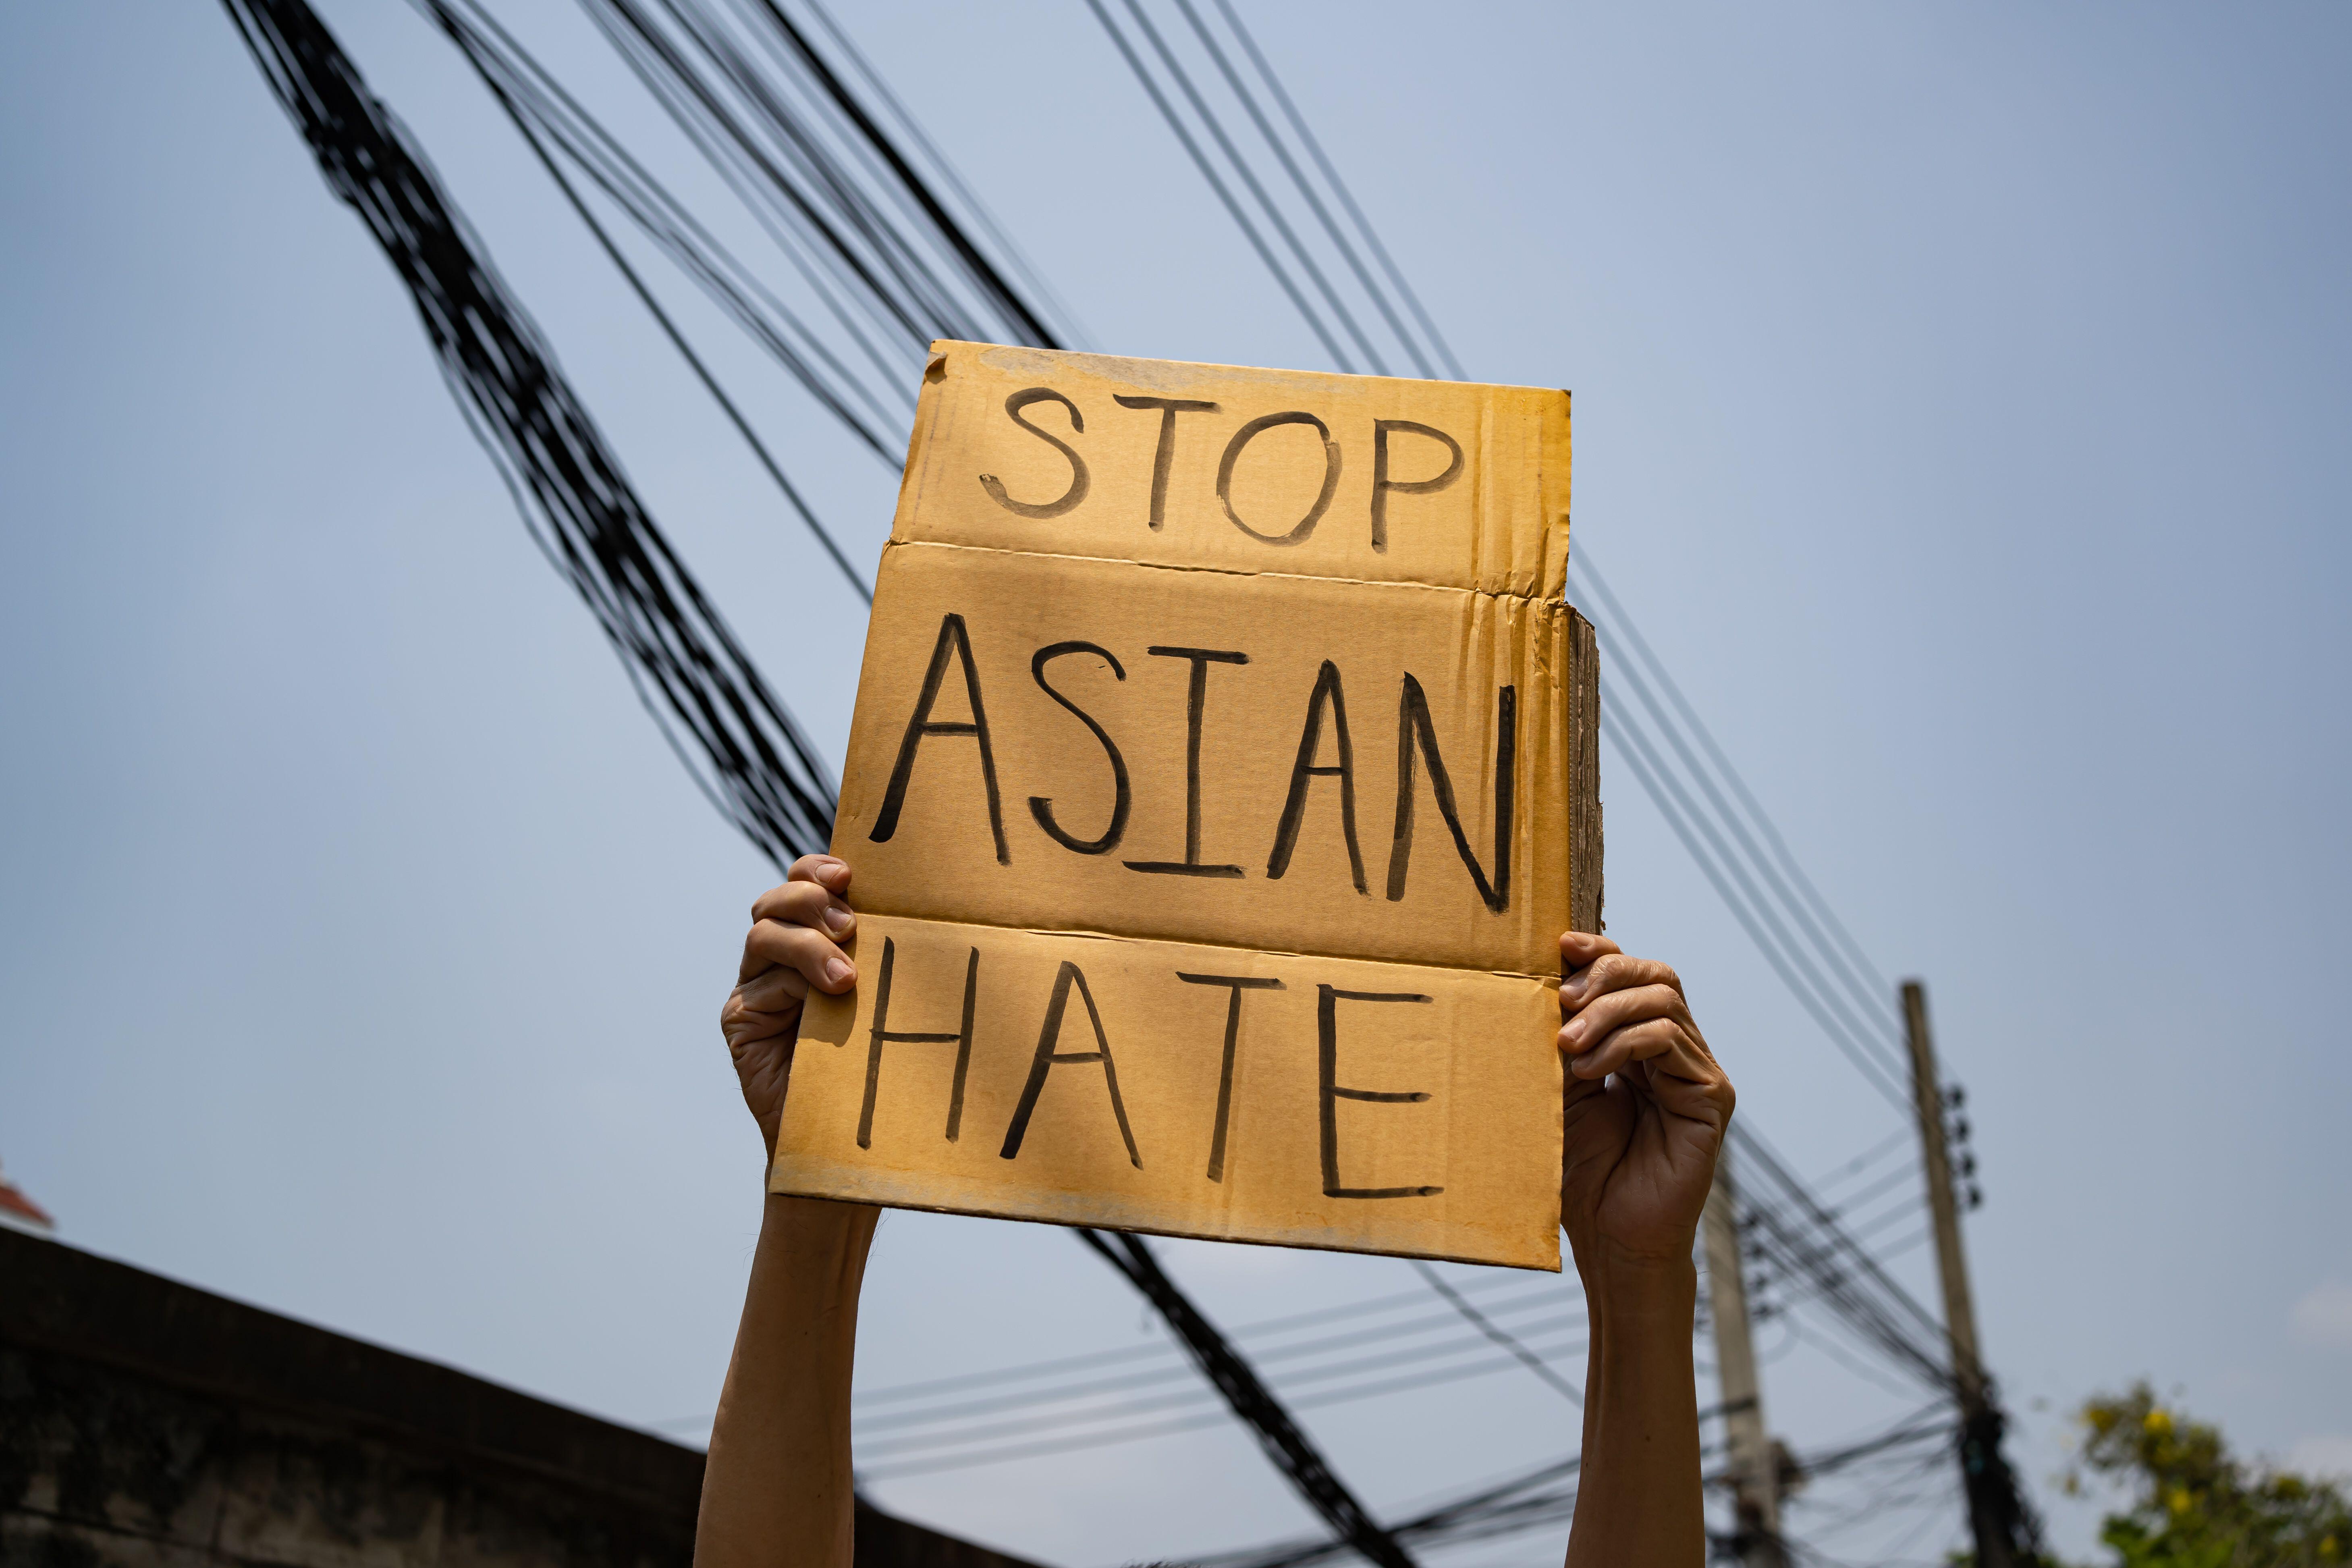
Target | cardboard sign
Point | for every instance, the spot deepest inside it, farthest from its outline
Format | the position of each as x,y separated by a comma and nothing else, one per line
1219,787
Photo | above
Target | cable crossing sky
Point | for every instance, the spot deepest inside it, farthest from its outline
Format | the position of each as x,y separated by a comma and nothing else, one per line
886,249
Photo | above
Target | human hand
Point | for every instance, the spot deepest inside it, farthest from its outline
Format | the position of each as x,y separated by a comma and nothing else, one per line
1638,1150
794,946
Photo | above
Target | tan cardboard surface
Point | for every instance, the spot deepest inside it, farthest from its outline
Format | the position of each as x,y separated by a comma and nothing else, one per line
1500,525
1478,1047
942,858
1196,670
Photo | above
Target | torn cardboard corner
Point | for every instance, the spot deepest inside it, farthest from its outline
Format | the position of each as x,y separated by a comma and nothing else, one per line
1222,776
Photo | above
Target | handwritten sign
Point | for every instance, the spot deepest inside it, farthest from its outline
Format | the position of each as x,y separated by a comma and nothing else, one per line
1218,789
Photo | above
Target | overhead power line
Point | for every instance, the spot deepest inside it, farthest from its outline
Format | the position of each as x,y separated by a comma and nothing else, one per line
568,486
881,287
737,740
877,1414
1246,1332
727,404
1693,784
1545,1495
1487,1326
1281,1437
1809,1247
749,87
1126,1397
992,1449
1767,895
1679,763
1363,228
1686,775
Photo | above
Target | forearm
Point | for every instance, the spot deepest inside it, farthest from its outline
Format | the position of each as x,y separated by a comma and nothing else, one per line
1637,1498
777,1490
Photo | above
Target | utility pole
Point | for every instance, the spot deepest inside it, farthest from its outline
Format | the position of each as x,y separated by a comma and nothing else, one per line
1755,1470
1951,1263
2006,1532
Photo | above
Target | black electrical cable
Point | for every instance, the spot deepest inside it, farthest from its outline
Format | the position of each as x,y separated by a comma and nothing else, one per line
1306,188
1871,1191
992,1452
1824,968
871,1420
1634,748
662,318
1537,1498
1495,1331
790,137
529,91
1458,1345
1347,198
1899,1140
781,150
754,764
1806,1243
757,140
1864,1229
912,281
1284,1443
1233,208
1883,1032
945,1435
1266,203
973,263
1247,1331
1863,977
943,173
1781,912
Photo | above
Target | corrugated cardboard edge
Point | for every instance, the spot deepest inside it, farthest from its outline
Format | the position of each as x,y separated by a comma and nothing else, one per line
889,1189
1584,859
1555,457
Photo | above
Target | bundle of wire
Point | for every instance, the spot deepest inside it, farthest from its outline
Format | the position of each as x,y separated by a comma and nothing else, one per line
748,754
891,250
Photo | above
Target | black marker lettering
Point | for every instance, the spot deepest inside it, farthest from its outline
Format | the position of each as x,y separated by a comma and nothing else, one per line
1239,984
1164,459
1040,806
1047,1059
1196,700
1078,481
1248,432
894,798
1310,735
882,1036
1413,721
1382,484
1326,1031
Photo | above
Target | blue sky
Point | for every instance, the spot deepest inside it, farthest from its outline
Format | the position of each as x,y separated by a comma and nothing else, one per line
1960,408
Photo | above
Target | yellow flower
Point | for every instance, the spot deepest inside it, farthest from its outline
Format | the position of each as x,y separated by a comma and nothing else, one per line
2179,1499
2157,1423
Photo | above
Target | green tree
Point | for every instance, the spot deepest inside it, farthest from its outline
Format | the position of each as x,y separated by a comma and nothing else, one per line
2193,1504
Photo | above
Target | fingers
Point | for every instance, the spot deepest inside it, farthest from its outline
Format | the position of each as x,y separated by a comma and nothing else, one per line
1614,1030
1621,1048
815,880
1621,1010
771,991
1579,948
767,1008
1611,969
797,931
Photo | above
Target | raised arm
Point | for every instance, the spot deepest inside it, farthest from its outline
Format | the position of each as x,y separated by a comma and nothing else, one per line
1645,1113
777,1491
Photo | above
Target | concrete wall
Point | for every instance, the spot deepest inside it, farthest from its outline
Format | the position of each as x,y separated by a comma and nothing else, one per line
147,1425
